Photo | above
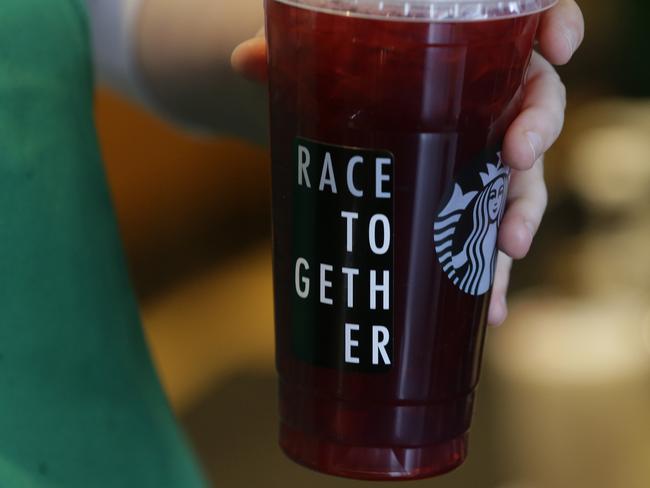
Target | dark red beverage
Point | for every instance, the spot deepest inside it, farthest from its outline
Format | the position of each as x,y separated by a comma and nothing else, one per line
388,189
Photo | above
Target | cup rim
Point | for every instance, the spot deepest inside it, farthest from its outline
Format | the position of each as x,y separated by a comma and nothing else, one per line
426,10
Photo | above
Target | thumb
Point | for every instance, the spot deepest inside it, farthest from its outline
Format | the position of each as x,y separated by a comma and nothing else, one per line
250,58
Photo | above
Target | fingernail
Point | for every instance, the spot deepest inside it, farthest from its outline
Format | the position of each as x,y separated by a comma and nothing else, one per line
570,38
535,143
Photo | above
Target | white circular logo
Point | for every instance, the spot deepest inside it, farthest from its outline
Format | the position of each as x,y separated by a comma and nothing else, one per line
466,229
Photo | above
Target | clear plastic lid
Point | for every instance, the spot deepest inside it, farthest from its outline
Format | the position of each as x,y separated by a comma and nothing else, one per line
427,10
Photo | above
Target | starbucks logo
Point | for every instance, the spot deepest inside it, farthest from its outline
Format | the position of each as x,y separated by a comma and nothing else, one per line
466,229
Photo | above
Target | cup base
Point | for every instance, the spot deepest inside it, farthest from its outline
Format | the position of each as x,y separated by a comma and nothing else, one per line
372,463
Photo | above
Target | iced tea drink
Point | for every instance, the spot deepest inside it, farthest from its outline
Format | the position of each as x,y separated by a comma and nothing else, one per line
387,120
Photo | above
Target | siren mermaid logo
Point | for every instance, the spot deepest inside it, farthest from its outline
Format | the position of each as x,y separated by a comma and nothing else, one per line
465,231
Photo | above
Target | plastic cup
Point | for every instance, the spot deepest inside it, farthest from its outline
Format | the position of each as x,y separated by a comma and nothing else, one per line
387,119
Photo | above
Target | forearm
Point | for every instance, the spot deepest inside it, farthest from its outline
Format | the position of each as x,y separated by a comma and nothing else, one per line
180,60
192,34
184,52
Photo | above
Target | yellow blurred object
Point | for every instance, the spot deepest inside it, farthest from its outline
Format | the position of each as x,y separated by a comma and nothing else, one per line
178,196
212,326
609,163
612,259
181,200
573,384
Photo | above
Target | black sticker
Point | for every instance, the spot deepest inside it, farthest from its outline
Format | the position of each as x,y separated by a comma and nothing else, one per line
467,225
342,314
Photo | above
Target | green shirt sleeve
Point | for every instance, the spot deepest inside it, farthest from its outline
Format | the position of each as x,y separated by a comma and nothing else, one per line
80,403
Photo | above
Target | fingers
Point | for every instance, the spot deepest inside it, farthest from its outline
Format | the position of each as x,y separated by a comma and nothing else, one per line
249,58
527,202
527,197
498,310
530,135
540,121
561,31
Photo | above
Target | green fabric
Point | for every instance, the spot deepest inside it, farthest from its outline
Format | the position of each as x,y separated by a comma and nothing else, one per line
80,404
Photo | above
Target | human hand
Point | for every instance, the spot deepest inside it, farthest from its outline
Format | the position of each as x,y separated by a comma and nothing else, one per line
531,134
534,130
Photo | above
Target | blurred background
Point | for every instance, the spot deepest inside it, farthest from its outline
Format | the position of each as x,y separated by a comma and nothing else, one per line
564,399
